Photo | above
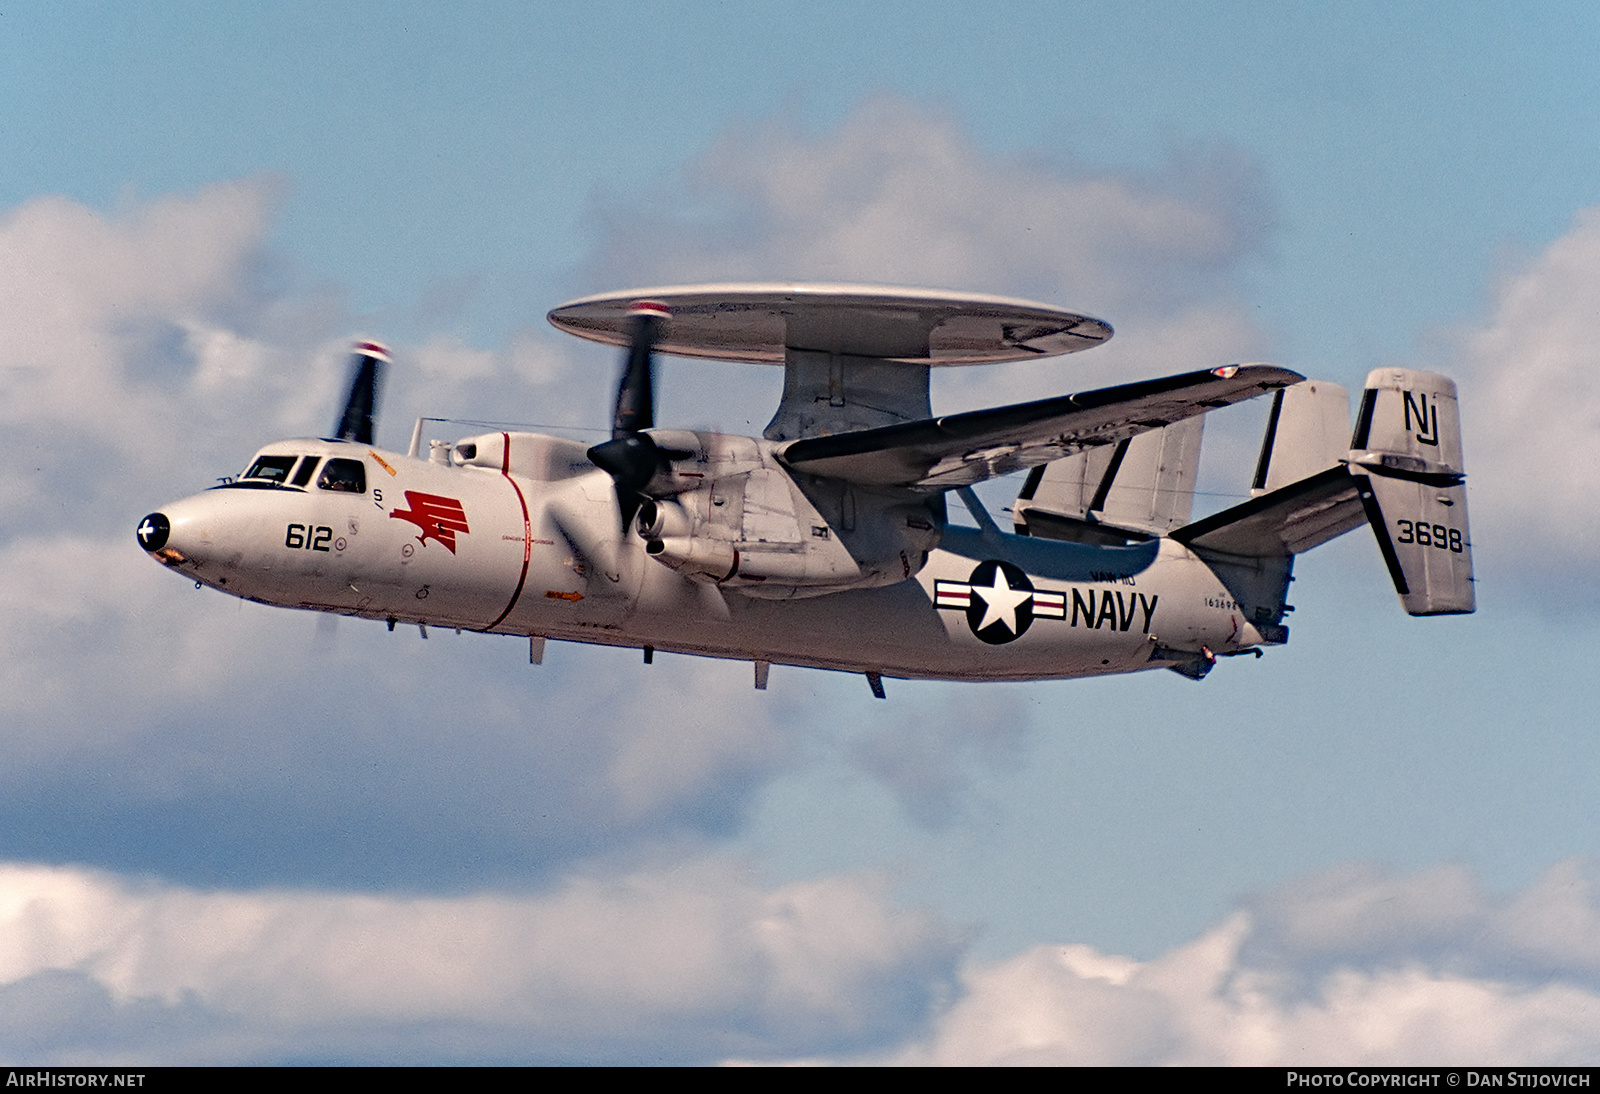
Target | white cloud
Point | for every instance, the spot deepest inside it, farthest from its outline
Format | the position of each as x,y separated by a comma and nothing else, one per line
134,346
656,965
692,962
1531,404
899,194
1355,966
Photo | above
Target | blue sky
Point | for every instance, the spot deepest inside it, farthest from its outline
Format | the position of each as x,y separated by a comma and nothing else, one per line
229,833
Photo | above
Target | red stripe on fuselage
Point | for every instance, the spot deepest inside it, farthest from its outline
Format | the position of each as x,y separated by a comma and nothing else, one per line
527,532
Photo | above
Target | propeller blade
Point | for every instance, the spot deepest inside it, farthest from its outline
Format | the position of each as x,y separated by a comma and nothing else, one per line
630,457
636,397
361,405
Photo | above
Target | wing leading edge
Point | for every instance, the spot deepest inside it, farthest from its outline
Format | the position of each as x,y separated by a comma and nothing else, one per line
961,449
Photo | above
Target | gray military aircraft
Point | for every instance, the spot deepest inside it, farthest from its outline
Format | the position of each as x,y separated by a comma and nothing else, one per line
825,542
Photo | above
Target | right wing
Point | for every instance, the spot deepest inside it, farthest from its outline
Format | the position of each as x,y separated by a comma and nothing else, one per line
961,449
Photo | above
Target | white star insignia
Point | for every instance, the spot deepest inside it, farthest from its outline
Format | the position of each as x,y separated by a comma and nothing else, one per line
1001,602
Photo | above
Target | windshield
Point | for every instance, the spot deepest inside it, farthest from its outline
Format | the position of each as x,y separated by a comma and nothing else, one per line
345,476
271,468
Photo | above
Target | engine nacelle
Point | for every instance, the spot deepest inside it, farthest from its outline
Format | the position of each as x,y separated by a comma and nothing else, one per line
659,519
787,573
748,526
696,556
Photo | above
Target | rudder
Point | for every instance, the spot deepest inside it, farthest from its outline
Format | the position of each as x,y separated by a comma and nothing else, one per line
1405,455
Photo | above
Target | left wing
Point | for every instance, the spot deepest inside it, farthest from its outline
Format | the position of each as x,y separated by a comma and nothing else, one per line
961,449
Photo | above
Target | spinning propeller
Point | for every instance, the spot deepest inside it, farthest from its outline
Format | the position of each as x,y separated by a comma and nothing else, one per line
361,405
631,457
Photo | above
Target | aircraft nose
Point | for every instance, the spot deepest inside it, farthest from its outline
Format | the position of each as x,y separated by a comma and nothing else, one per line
153,532
187,534
168,535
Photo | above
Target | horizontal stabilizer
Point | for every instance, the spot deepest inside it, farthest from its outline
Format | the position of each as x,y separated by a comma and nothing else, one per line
961,449
1288,521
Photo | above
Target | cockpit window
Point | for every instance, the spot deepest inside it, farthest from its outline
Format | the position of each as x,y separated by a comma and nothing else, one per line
307,466
345,476
271,468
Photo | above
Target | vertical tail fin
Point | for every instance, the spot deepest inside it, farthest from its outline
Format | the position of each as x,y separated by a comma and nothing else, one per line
1143,486
1307,432
1406,458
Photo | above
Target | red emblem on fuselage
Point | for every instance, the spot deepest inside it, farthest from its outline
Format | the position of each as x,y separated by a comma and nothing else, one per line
439,518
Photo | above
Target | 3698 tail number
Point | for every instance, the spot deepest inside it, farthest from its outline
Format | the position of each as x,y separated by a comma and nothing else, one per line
1424,534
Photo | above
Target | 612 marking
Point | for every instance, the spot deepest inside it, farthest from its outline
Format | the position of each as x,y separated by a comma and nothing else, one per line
312,539
1424,534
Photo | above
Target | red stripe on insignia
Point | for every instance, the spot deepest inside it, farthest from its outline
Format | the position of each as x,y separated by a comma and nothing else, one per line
1050,605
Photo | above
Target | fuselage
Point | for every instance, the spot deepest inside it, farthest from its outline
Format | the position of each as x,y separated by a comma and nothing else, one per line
538,550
